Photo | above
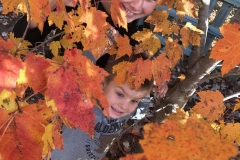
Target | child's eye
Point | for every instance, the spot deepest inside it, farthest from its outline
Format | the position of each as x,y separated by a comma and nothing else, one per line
119,94
134,101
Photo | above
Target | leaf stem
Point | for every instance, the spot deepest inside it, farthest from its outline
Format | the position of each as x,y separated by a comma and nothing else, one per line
25,32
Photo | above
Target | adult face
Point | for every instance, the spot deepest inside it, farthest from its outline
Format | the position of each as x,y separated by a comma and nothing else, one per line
135,9
122,99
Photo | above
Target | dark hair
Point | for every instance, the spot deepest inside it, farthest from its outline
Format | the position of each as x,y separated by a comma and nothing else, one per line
112,61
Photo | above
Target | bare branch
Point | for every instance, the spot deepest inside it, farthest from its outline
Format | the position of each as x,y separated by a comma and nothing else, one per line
235,95
43,43
28,19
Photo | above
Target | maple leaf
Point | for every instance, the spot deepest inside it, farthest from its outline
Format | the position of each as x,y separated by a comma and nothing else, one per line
124,46
193,140
33,74
118,14
210,107
23,47
168,3
173,50
95,32
160,69
224,47
6,45
7,100
48,140
85,4
186,7
190,34
159,19
148,41
10,68
21,132
58,18
74,86
121,70
231,132
175,29
54,46
10,6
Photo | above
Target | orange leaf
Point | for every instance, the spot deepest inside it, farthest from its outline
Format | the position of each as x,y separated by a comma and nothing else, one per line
160,69
124,46
118,14
168,3
186,7
148,41
96,38
225,47
21,133
172,140
210,107
85,4
121,70
175,29
75,87
237,106
173,50
159,19
9,67
190,34
231,132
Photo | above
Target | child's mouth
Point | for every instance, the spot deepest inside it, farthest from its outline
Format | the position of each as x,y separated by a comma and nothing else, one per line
115,110
128,12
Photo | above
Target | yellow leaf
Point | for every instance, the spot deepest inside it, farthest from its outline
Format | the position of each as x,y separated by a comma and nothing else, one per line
148,42
182,77
7,100
23,47
57,18
54,46
48,140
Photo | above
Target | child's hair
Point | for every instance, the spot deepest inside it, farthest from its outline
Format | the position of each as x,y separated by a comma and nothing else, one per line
112,61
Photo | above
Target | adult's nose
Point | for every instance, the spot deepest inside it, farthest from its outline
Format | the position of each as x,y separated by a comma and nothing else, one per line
136,4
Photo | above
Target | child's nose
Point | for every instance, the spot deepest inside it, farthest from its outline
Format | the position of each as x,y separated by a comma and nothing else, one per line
136,4
124,105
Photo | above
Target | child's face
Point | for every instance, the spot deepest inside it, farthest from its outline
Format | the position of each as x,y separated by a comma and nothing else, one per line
136,9
122,99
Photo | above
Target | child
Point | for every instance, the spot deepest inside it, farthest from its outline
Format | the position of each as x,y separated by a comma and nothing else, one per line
123,102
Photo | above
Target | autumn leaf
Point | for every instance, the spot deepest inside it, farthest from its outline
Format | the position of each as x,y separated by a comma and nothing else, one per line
175,29
33,74
21,132
74,86
224,47
95,32
186,7
124,46
210,107
190,34
193,140
237,106
85,4
118,14
160,69
173,50
7,100
54,46
48,140
6,45
159,19
23,47
148,42
231,132
10,68
57,19
121,70
168,3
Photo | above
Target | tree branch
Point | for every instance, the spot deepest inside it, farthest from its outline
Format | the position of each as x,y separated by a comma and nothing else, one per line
25,32
203,25
235,95
43,43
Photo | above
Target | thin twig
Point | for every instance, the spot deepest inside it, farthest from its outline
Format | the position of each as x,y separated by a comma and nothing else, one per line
25,32
7,121
43,43
235,95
